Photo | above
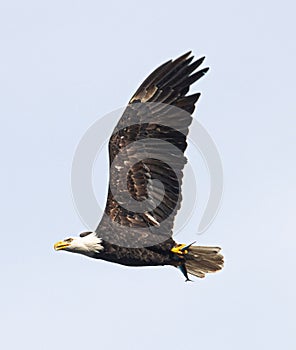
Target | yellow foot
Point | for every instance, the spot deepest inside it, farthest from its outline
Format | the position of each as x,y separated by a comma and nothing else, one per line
180,249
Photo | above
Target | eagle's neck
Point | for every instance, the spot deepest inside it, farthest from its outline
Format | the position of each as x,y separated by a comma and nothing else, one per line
88,245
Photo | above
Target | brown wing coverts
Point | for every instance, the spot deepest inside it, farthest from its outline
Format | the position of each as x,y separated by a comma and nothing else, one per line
150,138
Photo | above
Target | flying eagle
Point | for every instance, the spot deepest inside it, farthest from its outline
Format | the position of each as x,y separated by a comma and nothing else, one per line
146,155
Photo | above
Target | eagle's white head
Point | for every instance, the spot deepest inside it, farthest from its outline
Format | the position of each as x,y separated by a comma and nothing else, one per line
87,244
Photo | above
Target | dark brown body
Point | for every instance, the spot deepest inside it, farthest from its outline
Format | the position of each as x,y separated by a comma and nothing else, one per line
146,256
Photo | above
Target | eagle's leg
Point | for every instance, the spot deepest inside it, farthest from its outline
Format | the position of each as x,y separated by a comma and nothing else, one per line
181,248
184,271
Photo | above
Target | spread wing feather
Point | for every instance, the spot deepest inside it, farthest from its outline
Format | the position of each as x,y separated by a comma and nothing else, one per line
150,140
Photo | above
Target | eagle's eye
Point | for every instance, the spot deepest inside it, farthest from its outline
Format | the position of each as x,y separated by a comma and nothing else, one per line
68,240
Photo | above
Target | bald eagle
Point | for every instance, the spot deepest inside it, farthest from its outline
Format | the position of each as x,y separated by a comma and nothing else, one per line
150,138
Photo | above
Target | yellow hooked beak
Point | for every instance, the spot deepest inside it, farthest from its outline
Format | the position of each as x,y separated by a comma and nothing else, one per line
61,245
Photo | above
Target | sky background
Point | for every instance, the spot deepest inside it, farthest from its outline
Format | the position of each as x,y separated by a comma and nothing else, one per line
63,64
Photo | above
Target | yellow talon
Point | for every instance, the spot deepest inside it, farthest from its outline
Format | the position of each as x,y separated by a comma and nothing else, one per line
178,249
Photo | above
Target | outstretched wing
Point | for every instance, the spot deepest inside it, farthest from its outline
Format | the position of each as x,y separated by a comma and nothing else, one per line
146,152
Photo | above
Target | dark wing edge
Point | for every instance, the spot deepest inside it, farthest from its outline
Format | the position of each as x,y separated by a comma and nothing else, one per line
170,82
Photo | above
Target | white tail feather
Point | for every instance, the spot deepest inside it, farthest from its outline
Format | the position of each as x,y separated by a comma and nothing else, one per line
202,260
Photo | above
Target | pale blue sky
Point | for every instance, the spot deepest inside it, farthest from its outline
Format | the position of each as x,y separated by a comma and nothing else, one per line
65,63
